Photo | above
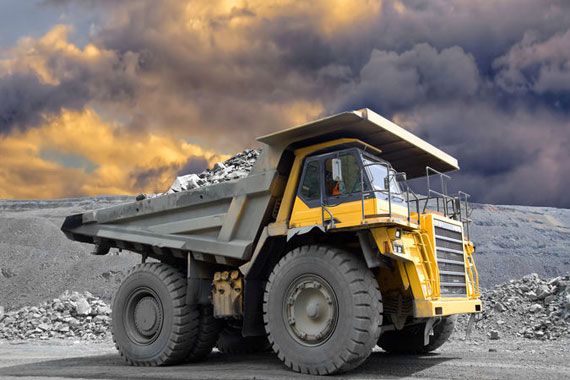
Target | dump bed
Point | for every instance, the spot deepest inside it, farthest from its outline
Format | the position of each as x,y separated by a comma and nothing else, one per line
222,219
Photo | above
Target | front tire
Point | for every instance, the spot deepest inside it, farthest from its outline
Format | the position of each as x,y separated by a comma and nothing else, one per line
152,324
322,310
410,340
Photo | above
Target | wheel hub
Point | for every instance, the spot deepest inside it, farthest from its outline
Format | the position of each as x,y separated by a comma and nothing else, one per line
147,316
143,316
311,310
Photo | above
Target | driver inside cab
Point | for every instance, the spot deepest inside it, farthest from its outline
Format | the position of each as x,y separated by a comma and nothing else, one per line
350,182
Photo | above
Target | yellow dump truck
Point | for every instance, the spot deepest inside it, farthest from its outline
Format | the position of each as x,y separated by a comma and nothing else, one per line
321,253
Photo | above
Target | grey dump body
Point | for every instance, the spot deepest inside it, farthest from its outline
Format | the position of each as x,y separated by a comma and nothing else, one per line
222,219
223,222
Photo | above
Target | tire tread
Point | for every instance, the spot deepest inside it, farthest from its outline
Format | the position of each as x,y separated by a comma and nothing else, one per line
185,318
365,332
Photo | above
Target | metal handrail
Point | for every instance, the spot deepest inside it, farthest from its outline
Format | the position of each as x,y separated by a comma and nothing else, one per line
473,275
459,213
429,265
323,209
463,196
443,194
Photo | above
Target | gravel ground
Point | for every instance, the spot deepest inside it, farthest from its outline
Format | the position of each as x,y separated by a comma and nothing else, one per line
518,358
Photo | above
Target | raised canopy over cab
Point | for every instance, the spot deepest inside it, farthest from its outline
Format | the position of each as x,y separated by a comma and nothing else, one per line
405,151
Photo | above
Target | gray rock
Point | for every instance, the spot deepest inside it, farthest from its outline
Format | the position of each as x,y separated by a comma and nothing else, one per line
500,307
219,166
1,313
535,308
548,300
102,318
82,307
74,323
542,292
494,335
8,321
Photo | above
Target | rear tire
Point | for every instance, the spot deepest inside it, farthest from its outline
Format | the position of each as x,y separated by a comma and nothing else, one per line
410,340
232,342
322,310
152,324
208,333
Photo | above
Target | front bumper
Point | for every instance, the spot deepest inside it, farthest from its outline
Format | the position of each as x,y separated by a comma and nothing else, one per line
446,306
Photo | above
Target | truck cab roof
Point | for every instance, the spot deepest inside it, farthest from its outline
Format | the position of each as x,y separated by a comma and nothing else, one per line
405,151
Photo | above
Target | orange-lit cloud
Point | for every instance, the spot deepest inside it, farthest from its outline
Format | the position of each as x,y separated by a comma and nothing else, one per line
115,159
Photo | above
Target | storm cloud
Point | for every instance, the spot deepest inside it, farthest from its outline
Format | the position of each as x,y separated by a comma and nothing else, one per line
488,82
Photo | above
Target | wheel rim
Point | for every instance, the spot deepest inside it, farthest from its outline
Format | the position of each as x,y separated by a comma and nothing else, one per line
144,316
310,310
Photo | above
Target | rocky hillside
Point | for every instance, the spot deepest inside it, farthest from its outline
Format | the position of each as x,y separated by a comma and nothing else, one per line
37,262
513,241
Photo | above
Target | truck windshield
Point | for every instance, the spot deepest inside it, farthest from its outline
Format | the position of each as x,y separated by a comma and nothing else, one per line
377,172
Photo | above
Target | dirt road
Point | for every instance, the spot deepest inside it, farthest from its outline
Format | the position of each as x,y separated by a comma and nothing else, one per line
521,359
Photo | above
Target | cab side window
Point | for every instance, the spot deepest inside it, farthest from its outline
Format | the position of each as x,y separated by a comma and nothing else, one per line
350,176
310,187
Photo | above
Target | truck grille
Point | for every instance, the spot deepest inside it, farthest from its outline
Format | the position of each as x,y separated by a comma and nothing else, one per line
450,259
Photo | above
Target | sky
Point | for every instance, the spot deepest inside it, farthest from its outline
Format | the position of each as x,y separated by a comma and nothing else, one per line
105,97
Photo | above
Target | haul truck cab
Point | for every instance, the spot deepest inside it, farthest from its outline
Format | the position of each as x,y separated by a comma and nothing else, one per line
321,253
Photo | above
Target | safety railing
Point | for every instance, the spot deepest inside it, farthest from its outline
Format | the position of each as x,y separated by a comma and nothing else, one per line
473,275
464,212
324,210
428,260
454,207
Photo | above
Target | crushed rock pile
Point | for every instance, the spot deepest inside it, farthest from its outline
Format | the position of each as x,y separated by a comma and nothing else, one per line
79,316
529,307
235,167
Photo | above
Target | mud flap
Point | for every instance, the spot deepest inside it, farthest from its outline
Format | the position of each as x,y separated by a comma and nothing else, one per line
428,331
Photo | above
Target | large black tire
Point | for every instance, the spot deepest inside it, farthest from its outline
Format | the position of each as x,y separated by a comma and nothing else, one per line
152,324
208,333
322,310
232,342
410,340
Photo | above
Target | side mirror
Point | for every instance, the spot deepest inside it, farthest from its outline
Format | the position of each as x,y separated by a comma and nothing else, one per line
337,169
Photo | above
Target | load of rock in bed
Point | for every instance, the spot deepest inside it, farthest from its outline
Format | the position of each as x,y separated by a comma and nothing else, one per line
235,167
529,307
79,316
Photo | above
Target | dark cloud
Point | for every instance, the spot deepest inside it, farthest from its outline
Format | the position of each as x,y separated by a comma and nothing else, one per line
194,165
151,178
392,81
538,66
488,82
24,100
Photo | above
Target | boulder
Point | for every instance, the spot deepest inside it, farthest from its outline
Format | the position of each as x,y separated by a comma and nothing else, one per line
82,307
